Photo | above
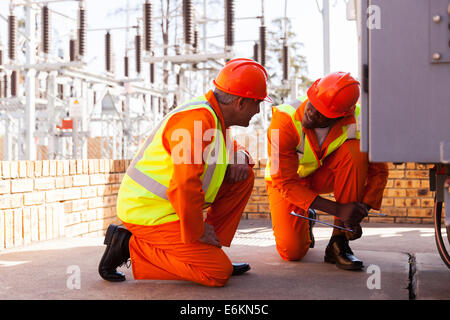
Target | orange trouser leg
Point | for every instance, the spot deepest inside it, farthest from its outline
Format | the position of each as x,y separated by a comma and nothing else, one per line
158,253
226,211
344,172
291,233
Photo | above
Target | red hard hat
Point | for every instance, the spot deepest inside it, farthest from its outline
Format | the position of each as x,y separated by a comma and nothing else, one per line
335,95
244,78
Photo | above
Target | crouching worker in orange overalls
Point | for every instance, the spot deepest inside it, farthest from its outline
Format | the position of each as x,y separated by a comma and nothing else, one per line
314,149
188,164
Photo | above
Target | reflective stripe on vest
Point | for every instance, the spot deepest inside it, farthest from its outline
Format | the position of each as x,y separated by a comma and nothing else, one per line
308,161
151,184
154,172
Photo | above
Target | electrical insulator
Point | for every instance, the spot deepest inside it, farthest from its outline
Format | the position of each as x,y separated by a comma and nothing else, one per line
138,47
1,57
14,83
5,85
72,50
45,30
61,91
108,52
81,31
195,44
12,37
126,66
188,21
285,62
229,23
152,73
148,35
256,52
262,45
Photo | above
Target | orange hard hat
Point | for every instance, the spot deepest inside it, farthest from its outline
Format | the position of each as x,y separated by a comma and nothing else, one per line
335,95
244,78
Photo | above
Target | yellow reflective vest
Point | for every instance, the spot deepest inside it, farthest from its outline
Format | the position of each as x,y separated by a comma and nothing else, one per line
142,197
308,161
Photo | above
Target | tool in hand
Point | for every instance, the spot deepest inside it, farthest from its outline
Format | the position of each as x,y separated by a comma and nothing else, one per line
318,221
332,225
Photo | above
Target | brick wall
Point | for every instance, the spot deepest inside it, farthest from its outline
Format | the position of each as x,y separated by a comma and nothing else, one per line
407,198
42,200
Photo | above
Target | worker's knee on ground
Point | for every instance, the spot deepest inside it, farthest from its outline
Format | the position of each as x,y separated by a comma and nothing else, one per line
220,276
292,251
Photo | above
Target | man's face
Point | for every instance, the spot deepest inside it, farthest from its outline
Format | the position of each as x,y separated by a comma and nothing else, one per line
250,107
314,119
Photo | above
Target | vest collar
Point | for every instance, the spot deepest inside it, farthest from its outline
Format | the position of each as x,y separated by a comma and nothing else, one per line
215,105
333,134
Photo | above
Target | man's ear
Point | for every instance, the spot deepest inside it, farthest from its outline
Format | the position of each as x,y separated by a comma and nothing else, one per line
240,103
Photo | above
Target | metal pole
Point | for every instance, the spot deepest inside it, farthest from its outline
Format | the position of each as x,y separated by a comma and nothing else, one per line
30,85
326,36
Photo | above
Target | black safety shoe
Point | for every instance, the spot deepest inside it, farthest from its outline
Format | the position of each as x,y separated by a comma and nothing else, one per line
116,253
240,268
338,251
312,215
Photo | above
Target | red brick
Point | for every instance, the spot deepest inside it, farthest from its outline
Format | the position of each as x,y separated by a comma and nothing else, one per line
96,179
79,164
53,168
37,168
42,223
88,192
5,186
27,225
89,215
72,167
80,180
22,169
72,193
49,222
2,228
417,174
45,168
18,236
14,169
6,169
22,185
59,182
9,228
34,217
72,218
30,169
44,183
80,205
66,167
59,167
33,198
412,202
423,213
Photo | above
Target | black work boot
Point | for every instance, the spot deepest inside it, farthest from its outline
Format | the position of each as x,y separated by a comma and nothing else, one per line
338,251
240,268
312,215
116,253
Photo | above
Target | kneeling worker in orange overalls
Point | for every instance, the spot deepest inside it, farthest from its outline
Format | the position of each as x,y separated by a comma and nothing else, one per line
314,149
187,164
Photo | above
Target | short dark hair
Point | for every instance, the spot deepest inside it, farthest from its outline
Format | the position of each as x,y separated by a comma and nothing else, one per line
223,97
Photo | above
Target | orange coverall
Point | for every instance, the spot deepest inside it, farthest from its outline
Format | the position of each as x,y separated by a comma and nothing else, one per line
170,251
346,172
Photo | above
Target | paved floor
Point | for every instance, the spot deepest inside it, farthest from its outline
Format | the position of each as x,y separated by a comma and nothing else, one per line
401,263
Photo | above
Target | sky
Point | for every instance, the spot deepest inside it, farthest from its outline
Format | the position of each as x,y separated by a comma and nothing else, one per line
304,14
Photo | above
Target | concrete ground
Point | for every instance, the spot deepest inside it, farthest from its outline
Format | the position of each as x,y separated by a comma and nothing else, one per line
401,263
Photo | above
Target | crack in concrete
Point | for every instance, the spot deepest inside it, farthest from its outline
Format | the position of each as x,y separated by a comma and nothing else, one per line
412,279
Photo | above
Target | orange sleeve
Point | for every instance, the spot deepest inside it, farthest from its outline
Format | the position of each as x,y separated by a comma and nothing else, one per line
282,151
377,177
182,138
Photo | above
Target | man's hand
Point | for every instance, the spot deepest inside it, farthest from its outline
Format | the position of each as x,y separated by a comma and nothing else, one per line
238,170
351,213
209,236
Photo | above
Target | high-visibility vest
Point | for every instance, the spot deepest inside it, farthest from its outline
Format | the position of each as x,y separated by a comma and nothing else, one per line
308,161
142,197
